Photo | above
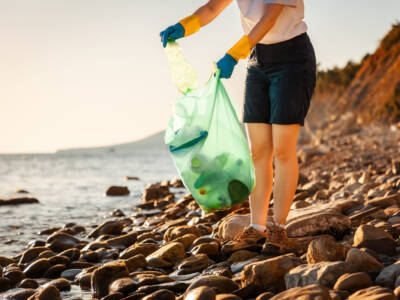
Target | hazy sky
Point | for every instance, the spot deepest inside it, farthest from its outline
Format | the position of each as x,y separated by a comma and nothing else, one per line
92,72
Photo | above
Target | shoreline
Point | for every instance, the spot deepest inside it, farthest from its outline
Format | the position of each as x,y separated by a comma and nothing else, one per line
343,228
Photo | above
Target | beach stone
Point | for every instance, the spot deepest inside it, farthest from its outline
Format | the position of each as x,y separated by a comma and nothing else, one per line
123,285
109,227
309,292
374,238
114,296
323,273
192,264
171,253
220,284
314,224
397,292
325,248
211,249
160,295
155,191
5,261
227,297
187,240
37,268
47,254
73,254
14,274
18,201
231,226
373,293
362,261
28,283
178,231
61,284
142,248
46,293
105,275
136,262
201,293
389,276
241,255
270,271
353,282
175,286
265,296
117,191
31,254
385,201
22,294
54,271
5,284
232,246
124,241
60,241
70,273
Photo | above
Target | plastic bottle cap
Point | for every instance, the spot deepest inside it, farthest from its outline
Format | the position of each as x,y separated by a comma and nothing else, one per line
195,162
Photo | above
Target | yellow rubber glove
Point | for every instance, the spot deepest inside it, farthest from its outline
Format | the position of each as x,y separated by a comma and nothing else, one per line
241,49
191,24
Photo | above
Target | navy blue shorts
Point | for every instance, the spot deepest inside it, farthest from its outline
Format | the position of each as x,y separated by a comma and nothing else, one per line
280,81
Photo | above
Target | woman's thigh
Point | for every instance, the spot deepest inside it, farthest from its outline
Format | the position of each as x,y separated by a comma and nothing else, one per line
260,137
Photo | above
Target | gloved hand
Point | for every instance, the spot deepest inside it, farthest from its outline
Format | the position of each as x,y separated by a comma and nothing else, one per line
226,66
173,32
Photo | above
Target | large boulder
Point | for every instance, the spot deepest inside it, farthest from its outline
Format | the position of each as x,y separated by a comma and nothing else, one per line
362,261
323,273
103,276
138,248
325,248
270,271
314,224
220,284
374,238
169,253
373,293
201,293
389,276
309,292
353,282
231,226
117,191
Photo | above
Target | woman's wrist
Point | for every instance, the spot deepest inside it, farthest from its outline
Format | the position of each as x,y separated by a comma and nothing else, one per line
241,49
191,24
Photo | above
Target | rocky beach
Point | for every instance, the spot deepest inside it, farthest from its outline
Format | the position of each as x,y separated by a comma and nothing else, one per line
343,228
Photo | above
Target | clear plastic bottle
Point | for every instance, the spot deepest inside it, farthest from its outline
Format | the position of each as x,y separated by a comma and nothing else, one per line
183,74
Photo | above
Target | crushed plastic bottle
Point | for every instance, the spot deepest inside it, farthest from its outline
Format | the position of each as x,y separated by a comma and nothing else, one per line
183,74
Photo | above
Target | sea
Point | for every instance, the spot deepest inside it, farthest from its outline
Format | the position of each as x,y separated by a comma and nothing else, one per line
71,188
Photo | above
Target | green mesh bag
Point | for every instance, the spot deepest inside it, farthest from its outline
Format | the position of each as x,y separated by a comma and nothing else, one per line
206,140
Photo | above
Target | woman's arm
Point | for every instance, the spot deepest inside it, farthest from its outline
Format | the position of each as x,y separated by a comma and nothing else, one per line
243,47
270,15
211,10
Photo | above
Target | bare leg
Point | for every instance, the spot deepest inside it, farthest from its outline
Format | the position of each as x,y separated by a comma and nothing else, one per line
260,136
286,169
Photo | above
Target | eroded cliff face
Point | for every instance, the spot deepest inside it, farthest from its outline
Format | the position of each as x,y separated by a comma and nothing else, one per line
359,93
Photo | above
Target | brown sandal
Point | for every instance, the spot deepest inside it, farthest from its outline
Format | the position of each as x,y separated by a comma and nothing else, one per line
250,234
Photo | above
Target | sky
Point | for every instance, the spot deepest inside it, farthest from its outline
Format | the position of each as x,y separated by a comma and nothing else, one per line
79,73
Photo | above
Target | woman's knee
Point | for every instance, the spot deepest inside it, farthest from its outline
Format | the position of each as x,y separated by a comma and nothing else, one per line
284,153
261,152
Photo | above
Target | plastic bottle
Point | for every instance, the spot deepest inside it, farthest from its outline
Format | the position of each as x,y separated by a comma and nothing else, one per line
183,74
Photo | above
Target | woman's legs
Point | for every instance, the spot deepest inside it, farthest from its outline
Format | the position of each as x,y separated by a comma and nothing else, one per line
286,168
260,137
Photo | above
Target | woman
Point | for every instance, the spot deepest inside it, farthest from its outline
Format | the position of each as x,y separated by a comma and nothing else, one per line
279,84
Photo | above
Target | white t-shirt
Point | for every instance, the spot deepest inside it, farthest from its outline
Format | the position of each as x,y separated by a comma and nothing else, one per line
288,25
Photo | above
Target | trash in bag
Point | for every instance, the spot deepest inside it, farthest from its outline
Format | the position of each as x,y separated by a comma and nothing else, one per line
206,140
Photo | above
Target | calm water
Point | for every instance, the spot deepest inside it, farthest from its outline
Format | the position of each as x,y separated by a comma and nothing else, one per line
70,188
